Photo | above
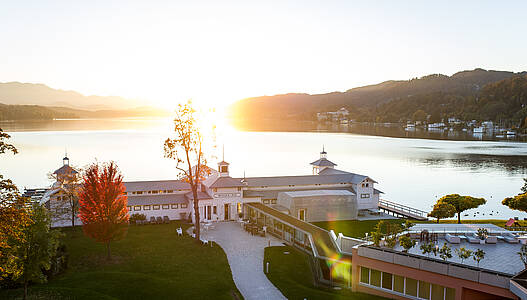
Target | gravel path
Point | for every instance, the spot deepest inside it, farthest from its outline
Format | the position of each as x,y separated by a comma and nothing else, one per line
245,254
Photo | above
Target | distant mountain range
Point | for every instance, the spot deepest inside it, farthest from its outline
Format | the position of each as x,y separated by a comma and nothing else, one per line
28,101
365,99
40,94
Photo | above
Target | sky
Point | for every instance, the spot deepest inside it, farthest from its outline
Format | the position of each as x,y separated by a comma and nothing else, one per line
217,52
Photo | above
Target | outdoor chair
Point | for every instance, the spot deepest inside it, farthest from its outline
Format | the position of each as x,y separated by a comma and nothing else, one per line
152,220
472,239
159,220
491,239
166,219
179,231
452,238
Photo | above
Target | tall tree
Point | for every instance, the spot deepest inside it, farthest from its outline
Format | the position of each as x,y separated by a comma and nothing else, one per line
442,210
14,215
461,203
103,204
518,202
186,148
33,254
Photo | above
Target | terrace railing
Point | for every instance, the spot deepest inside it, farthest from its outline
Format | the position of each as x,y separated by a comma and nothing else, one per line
403,210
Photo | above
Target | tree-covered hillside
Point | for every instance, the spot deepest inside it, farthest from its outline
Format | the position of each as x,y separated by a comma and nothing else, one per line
503,101
371,102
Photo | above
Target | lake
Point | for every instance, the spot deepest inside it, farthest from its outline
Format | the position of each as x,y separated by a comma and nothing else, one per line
411,171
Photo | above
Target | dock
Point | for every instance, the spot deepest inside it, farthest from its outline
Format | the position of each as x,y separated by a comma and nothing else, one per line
400,210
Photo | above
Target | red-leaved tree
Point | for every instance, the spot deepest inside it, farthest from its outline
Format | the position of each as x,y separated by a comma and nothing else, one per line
103,210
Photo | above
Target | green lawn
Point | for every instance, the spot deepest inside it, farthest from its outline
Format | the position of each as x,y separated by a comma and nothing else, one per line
152,262
354,228
292,275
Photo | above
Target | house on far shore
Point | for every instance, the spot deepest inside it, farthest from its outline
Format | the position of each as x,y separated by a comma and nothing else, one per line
329,194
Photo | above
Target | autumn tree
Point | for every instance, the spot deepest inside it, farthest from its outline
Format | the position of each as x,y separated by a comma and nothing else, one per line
186,148
14,215
103,204
33,254
442,210
461,203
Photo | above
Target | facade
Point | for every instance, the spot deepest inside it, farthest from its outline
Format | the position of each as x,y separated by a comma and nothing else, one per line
222,197
317,205
356,264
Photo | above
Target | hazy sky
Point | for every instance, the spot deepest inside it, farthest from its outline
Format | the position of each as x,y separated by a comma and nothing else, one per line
221,51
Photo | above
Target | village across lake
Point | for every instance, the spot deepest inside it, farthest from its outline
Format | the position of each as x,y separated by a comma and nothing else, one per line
413,171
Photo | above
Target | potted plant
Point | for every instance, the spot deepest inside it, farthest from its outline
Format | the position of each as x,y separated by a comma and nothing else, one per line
478,255
445,252
482,234
406,242
463,253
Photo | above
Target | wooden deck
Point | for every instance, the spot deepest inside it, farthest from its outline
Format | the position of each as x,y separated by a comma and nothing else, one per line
401,210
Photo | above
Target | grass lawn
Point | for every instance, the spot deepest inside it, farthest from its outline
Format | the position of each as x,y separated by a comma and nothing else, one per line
354,228
291,274
151,262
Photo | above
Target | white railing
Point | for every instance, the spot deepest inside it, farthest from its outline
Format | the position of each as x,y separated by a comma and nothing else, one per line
402,208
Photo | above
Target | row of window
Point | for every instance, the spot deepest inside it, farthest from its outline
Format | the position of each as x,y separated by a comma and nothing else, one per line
363,196
405,286
151,192
156,207
365,184
269,201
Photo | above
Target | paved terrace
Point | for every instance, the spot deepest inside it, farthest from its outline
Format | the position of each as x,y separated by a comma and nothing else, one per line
245,254
324,244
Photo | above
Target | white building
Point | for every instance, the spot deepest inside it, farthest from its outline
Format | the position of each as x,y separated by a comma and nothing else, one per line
221,197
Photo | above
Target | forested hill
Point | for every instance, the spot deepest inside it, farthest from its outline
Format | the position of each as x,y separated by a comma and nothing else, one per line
504,101
37,112
363,101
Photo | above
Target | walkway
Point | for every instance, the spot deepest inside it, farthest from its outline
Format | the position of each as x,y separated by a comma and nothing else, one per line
245,254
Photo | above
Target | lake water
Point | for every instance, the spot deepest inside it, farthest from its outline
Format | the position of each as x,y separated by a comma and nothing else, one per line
412,171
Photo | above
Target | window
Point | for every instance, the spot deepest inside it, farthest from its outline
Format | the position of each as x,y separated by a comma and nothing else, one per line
438,292
166,206
363,196
266,201
215,210
137,207
450,294
424,290
375,277
146,207
133,193
367,184
411,287
183,205
139,192
155,207
398,284
155,192
273,201
302,214
239,208
174,206
224,169
129,208
215,190
364,275
386,281
239,189
170,191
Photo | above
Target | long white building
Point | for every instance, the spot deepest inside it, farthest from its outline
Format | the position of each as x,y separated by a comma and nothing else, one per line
222,197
